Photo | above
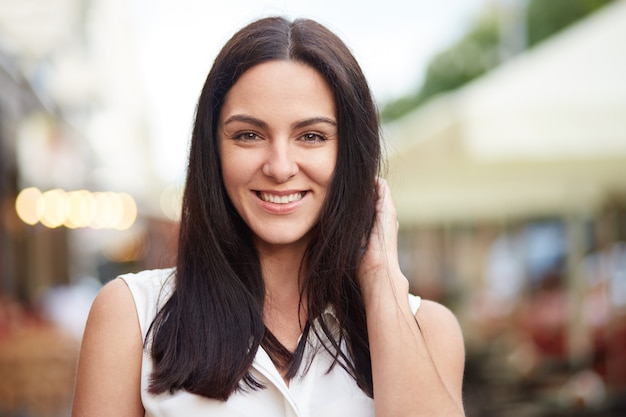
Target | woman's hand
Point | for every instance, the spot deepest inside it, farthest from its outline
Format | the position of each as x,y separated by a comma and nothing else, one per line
379,268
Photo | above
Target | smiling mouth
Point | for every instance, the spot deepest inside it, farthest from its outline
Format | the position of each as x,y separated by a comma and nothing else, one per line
280,199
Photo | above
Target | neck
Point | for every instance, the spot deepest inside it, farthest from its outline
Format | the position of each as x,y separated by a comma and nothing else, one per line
281,265
283,313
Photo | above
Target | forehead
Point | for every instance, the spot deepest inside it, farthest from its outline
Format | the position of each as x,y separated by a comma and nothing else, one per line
280,89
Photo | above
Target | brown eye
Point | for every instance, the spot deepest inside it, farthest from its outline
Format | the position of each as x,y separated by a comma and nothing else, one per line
246,136
313,137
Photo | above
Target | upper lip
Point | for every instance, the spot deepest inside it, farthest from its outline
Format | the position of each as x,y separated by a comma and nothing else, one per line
280,193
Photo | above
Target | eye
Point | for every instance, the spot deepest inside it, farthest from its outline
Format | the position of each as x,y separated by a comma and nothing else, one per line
313,137
246,136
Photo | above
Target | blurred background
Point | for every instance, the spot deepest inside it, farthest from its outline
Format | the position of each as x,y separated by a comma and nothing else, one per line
505,136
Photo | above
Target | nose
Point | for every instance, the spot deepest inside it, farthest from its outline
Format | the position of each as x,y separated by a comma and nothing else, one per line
281,163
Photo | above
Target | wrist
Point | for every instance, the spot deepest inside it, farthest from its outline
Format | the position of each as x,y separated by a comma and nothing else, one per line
384,288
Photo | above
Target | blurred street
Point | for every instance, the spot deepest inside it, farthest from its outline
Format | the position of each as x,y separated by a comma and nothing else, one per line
506,155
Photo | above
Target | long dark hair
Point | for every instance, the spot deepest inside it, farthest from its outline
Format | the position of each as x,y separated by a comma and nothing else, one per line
205,337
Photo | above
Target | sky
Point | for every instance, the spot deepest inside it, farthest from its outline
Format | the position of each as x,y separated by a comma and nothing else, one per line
177,40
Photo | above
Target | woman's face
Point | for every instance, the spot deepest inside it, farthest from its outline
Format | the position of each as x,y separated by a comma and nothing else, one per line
278,146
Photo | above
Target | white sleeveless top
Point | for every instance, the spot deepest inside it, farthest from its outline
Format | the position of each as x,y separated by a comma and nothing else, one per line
314,393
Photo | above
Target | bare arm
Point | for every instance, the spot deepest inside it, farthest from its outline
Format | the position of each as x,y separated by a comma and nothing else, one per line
109,368
417,369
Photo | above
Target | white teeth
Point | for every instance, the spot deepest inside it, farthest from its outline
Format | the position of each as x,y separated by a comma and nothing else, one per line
281,199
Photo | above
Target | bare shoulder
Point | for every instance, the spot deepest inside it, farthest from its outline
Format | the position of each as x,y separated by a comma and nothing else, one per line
444,338
114,295
435,316
110,359
439,325
113,311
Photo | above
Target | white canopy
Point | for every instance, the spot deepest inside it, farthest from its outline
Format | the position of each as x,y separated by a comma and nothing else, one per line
544,134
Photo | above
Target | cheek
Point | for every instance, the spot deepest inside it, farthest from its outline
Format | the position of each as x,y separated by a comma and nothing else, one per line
324,167
234,172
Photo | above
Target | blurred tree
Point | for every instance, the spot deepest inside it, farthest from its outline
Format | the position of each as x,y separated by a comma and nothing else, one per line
479,50
472,56
545,18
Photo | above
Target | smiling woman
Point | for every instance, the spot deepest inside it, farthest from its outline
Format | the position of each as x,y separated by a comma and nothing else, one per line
287,298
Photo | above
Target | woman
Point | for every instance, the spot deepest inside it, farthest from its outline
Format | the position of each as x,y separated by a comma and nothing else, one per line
287,298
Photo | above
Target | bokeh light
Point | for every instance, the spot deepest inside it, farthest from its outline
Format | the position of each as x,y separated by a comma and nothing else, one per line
76,209
81,209
27,205
129,212
55,208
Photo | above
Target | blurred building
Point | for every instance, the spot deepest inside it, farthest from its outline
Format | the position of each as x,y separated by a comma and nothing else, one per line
72,118
510,192
79,200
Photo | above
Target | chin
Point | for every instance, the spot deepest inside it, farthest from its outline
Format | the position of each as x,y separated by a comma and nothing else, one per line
282,239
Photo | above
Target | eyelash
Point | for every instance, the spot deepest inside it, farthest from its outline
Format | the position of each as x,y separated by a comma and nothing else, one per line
310,137
313,137
246,136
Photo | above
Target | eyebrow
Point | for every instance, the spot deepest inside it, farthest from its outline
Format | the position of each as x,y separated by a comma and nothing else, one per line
261,124
314,120
245,119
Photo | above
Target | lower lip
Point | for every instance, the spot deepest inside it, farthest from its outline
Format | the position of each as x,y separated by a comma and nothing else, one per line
286,208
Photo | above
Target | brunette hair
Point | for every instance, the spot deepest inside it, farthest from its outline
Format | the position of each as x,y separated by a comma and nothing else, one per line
205,337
